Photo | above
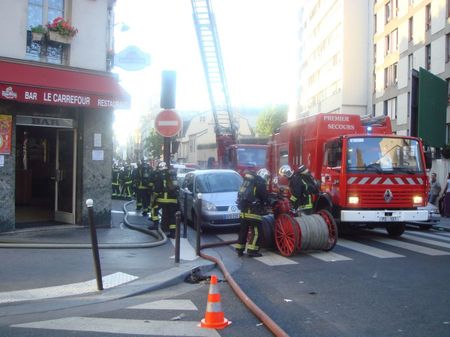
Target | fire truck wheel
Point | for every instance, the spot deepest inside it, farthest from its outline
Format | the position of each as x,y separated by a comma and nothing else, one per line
395,229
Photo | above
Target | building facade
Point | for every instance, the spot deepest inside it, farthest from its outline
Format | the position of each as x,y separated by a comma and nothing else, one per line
407,35
57,99
334,57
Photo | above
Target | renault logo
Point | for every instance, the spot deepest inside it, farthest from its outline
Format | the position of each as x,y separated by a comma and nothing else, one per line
388,195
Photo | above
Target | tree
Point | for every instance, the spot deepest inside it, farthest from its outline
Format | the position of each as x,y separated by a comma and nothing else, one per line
270,119
153,144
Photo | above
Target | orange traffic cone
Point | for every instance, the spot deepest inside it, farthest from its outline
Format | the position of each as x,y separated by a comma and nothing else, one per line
214,317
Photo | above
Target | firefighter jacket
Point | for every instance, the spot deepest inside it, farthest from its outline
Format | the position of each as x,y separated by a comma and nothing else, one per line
253,197
166,187
302,187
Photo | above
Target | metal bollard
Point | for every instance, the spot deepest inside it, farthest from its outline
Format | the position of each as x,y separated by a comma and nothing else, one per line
98,271
185,212
198,224
177,236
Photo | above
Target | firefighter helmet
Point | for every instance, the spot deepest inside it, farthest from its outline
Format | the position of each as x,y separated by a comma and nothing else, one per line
286,171
303,169
263,173
162,165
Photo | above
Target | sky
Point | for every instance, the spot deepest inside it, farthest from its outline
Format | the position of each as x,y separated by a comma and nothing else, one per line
259,49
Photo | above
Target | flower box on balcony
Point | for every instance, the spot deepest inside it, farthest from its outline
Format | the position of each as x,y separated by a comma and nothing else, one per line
56,37
36,37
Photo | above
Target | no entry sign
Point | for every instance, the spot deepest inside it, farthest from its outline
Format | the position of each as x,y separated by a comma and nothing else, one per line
168,123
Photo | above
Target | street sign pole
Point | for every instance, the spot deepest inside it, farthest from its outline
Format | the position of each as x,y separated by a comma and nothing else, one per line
166,152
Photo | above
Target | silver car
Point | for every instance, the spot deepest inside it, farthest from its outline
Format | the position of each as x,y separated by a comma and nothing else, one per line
218,189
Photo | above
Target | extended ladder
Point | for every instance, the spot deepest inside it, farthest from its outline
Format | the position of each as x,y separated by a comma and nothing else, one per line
208,40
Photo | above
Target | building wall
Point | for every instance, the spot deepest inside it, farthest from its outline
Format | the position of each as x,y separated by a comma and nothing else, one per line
96,174
334,72
88,48
411,53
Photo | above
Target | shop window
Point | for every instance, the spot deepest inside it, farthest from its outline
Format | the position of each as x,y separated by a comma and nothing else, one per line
40,12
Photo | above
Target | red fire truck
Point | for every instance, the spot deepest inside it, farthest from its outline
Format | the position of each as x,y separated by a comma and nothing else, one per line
369,176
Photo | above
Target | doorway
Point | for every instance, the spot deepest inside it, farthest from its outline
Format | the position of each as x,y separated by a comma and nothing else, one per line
45,176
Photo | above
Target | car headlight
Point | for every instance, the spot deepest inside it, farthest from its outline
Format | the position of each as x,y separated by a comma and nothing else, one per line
208,206
353,200
417,199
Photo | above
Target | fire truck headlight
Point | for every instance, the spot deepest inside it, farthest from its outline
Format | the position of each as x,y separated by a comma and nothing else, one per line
417,199
208,206
353,200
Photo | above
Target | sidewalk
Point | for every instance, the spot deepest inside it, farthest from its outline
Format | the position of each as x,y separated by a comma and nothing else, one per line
52,262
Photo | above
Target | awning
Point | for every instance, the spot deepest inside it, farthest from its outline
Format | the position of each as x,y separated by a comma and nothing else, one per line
45,84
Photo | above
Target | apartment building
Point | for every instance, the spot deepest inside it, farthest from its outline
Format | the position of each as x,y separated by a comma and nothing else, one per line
407,35
57,99
334,57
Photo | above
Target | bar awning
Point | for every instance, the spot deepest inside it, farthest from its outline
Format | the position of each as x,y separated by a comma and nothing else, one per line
45,84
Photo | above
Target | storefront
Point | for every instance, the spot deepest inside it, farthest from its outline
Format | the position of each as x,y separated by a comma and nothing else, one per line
55,143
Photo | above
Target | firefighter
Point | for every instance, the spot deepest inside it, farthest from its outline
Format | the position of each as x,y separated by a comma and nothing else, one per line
144,188
115,181
253,200
302,186
166,198
127,181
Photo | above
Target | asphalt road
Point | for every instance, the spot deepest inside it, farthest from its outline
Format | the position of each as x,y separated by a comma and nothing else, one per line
369,285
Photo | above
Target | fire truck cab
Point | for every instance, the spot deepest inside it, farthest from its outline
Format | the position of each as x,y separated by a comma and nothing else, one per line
368,175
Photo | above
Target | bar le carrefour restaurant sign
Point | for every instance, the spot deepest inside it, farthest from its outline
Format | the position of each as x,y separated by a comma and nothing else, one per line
57,97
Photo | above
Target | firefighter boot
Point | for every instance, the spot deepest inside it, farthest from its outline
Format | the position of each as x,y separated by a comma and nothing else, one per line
239,252
253,253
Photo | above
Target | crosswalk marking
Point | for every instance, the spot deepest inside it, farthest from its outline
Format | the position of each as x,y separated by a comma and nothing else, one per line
427,241
123,326
329,256
79,288
433,236
167,305
411,247
187,252
273,259
228,237
365,249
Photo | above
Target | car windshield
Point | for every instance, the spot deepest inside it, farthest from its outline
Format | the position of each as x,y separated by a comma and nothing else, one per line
252,156
218,182
383,154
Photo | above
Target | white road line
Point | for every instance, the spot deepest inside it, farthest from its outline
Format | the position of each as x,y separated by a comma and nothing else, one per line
123,326
429,235
329,256
167,305
365,249
427,241
187,252
411,247
109,281
228,237
272,259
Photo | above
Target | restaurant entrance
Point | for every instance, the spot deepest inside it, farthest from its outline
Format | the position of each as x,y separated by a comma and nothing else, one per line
45,173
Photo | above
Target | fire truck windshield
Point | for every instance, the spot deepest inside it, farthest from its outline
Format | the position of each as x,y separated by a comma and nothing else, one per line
251,156
383,155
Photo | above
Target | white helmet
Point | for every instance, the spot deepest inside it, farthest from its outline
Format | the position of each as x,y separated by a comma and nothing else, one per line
264,173
285,171
162,165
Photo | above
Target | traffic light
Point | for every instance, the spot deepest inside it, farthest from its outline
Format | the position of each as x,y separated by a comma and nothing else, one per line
169,78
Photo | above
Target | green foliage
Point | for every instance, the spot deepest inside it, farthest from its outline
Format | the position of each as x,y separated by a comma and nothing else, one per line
153,145
270,119
38,29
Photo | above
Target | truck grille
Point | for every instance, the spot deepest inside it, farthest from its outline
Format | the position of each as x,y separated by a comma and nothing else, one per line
375,198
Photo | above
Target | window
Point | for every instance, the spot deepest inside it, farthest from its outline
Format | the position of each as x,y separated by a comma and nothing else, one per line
428,56
447,39
390,108
428,17
410,65
375,24
410,29
375,53
390,75
391,10
39,13
448,8
391,42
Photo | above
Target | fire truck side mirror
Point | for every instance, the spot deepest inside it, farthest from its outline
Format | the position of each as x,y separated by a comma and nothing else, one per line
428,159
